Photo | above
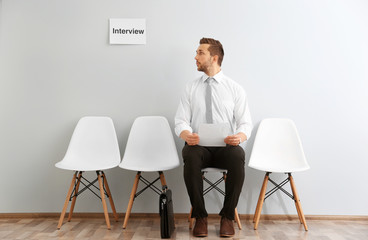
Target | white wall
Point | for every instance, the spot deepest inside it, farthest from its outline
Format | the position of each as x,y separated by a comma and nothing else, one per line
305,60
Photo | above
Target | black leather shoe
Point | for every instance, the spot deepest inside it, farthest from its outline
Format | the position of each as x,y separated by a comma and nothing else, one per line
226,227
200,228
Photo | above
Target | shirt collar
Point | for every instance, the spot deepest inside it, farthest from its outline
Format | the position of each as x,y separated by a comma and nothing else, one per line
218,77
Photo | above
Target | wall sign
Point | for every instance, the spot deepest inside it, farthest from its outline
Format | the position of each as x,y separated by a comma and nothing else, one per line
127,31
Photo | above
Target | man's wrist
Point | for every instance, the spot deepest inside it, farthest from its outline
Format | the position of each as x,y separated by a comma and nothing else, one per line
184,134
242,137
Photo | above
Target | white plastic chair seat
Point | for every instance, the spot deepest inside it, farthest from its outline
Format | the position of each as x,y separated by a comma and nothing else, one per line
81,166
151,146
93,146
277,147
143,168
210,169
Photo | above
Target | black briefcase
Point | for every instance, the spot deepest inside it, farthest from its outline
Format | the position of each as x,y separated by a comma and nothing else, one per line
167,223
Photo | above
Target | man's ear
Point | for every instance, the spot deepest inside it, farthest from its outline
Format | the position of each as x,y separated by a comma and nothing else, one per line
215,59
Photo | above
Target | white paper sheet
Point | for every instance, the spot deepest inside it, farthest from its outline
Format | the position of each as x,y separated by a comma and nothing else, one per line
213,135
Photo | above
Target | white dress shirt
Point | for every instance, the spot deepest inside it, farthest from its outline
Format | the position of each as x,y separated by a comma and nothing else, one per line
229,105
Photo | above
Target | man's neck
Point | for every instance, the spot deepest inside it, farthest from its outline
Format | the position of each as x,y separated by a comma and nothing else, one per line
213,71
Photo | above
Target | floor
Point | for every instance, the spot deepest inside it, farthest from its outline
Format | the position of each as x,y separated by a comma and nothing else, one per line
149,228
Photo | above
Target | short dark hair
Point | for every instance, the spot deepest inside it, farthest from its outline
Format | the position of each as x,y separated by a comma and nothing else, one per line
215,48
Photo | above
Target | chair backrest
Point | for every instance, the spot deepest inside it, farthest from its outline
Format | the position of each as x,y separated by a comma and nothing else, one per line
93,146
150,146
277,147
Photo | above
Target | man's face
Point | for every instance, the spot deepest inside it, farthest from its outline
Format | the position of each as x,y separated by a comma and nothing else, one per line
203,58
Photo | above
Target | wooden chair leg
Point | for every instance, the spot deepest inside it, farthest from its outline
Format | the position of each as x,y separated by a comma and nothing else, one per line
162,178
297,202
299,214
260,198
237,219
131,199
191,223
296,206
190,214
262,194
292,184
75,197
110,198
104,205
66,201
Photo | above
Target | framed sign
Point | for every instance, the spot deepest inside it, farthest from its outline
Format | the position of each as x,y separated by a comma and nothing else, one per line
127,31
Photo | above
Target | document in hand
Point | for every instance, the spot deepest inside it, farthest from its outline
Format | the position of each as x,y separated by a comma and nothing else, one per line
213,135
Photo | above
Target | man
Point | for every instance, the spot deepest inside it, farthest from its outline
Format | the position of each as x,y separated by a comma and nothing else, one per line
213,98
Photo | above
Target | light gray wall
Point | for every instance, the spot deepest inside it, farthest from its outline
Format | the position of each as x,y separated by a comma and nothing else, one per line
305,60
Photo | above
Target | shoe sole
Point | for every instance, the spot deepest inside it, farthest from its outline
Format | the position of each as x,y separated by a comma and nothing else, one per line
227,235
201,235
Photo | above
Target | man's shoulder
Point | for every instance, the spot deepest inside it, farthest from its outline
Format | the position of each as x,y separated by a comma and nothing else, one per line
192,85
195,82
231,82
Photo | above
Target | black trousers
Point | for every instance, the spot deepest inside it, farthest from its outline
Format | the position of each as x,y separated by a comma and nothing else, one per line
230,158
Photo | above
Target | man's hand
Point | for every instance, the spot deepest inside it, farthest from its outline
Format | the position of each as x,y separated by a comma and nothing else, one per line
235,140
191,138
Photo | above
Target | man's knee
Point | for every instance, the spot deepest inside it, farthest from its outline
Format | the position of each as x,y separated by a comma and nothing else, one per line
236,154
192,157
192,152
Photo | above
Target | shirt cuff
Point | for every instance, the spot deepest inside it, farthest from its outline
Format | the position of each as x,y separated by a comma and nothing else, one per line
246,131
180,128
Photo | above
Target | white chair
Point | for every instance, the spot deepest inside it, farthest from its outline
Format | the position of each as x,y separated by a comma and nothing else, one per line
277,149
150,148
214,186
93,147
